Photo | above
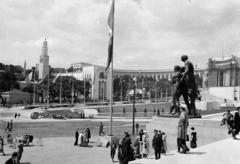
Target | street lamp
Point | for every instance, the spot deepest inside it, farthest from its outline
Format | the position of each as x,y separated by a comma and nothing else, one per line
134,94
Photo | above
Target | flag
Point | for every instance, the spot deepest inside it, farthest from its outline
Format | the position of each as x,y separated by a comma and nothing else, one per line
111,30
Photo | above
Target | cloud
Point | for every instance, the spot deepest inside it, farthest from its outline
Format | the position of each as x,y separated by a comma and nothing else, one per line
149,34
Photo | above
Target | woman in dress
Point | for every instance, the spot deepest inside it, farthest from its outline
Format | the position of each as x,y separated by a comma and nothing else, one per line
145,147
182,130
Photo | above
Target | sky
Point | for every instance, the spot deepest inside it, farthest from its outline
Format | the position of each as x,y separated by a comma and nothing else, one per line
149,34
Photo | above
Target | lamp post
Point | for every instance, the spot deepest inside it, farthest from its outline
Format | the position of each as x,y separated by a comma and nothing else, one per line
134,94
34,87
60,91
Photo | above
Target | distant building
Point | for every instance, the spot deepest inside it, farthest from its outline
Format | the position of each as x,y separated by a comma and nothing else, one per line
224,71
43,66
100,80
223,77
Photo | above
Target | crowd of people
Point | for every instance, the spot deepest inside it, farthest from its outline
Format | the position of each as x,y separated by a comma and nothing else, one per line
232,122
82,138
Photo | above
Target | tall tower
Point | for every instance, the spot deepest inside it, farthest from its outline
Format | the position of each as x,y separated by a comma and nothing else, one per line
44,61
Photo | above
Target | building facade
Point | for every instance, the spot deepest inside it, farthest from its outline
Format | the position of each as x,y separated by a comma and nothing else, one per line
224,71
100,80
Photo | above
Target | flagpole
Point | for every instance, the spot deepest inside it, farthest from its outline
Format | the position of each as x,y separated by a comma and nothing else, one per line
111,97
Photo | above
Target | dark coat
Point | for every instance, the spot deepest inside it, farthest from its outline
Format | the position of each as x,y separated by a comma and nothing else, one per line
76,134
237,122
157,143
126,145
9,161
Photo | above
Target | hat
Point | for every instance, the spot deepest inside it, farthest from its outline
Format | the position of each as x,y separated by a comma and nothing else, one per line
125,132
15,154
144,131
184,57
192,128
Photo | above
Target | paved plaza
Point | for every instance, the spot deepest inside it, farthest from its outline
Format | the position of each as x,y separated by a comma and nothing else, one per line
58,139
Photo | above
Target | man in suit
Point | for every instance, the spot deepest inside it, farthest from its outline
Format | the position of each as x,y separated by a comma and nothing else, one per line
126,148
13,159
76,137
157,144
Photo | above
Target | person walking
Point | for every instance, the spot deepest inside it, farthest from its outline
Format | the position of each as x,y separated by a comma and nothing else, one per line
100,132
157,144
7,127
76,137
11,125
182,130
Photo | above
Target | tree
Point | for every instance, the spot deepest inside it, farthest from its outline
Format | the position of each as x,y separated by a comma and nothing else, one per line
8,81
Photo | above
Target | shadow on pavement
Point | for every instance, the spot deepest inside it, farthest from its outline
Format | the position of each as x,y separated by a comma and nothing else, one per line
197,153
87,146
168,154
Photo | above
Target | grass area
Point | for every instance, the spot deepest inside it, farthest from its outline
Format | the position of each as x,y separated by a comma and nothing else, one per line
67,128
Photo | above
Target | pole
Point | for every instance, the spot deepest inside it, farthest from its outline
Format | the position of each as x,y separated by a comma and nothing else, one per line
60,91
129,84
33,86
121,89
84,89
48,90
133,118
161,95
111,97
72,88
166,94
142,89
155,91
103,89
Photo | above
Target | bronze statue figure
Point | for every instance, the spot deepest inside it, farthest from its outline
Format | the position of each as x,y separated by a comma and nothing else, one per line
183,83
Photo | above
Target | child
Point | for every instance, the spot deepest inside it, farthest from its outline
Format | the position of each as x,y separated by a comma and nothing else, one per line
193,142
113,151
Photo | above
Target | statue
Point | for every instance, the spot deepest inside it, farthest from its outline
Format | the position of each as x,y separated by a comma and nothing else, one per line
179,89
184,85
